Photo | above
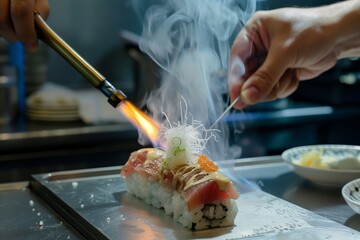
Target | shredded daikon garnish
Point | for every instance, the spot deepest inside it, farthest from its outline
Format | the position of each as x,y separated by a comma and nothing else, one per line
184,142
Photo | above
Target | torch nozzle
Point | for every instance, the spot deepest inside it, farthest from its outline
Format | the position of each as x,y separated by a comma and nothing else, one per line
114,96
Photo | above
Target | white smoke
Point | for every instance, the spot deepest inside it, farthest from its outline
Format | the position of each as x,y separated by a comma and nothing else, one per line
190,40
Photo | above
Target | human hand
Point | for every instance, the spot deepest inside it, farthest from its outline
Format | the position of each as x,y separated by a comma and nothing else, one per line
277,49
17,20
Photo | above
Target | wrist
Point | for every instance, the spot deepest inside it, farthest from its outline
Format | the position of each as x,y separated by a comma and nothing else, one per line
347,30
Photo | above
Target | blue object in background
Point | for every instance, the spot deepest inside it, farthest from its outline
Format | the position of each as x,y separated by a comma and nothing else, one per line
17,59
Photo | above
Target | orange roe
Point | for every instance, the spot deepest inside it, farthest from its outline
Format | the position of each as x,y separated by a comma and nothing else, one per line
206,164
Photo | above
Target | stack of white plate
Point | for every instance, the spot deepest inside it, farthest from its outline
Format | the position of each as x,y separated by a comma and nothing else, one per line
52,113
53,103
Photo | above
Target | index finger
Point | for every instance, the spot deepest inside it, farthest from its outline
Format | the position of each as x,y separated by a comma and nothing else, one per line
246,57
22,14
6,25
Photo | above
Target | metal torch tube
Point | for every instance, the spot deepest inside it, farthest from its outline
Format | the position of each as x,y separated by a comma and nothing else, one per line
47,35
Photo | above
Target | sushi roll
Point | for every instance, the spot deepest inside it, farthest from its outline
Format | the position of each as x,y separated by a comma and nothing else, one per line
187,186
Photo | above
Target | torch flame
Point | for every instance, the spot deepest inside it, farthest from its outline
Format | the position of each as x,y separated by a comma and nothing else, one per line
140,120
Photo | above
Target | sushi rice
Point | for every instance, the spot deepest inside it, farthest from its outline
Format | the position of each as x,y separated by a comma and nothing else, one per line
215,214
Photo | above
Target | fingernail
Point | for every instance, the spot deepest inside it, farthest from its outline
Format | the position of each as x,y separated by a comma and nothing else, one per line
237,70
250,95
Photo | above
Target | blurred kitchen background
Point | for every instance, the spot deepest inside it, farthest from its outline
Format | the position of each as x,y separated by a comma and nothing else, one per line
48,130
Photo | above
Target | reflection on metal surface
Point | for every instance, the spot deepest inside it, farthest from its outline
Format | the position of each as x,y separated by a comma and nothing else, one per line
100,207
25,216
354,221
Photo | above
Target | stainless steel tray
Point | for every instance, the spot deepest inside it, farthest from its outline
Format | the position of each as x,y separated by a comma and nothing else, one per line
25,216
95,202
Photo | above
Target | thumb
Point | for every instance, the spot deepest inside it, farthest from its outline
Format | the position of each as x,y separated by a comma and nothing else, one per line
259,85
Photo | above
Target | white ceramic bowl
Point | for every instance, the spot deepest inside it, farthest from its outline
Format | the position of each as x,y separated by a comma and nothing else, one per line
351,194
325,177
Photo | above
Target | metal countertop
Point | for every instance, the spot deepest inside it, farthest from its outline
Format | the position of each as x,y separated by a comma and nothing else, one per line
278,180
25,216
270,173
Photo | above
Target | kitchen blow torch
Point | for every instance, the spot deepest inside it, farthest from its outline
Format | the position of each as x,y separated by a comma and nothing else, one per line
47,35
115,97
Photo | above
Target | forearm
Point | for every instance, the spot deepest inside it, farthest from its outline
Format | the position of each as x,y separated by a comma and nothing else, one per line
348,30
